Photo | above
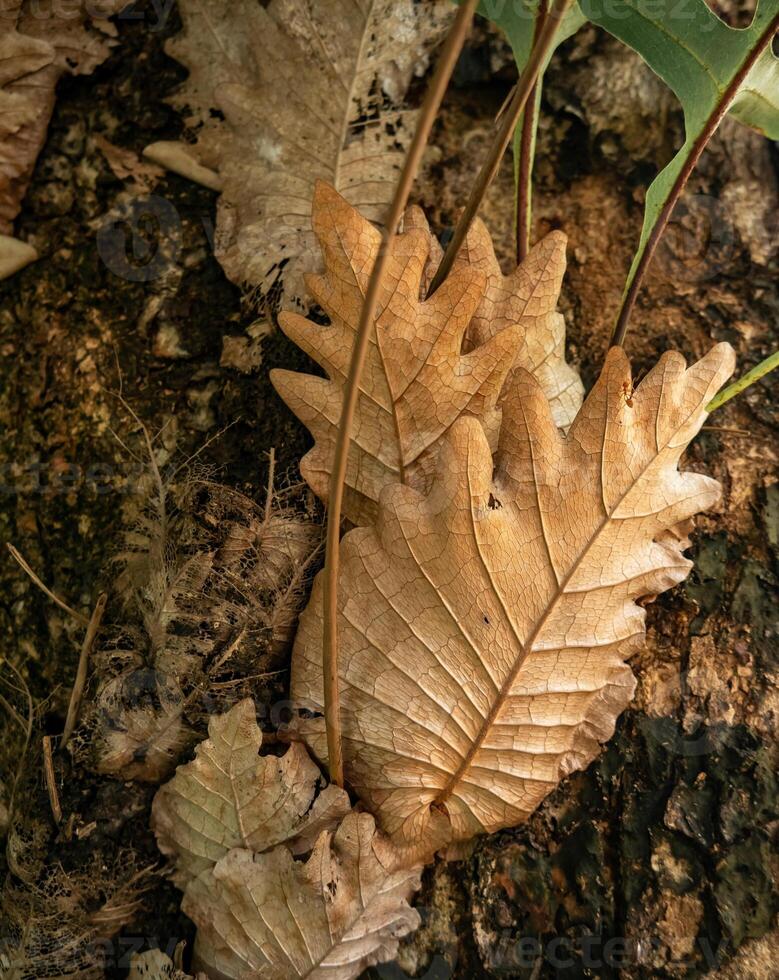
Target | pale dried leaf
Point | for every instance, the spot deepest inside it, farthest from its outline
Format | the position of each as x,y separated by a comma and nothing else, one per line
306,90
229,796
41,40
270,917
416,380
14,254
484,628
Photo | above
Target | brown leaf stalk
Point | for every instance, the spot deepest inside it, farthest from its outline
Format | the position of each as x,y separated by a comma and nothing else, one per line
716,117
508,123
430,106
525,158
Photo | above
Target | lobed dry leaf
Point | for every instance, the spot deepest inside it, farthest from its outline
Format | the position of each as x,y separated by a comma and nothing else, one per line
271,917
41,40
528,296
127,165
230,797
417,379
304,90
484,627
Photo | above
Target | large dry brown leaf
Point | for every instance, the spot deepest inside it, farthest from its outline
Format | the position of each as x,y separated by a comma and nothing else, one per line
42,40
484,628
229,796
417,379
305,90
269,917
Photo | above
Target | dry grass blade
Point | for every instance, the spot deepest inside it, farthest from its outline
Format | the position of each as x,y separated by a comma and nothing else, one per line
51,780
485,626
23,564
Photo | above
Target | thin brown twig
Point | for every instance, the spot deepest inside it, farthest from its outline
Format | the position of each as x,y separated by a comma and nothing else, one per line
51,780
271,479
44,588
502,138
430,106
83,666
528,125
730,431
712,123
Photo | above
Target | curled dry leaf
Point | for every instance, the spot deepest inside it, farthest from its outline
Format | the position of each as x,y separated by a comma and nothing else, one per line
41,40
484,628
303,91
417,378
229,797
271,917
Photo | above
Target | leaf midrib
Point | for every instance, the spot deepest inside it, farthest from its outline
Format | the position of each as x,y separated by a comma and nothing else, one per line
527,647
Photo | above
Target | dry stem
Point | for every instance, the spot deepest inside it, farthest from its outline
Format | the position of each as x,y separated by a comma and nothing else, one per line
716,117
435,94
83,666
506,128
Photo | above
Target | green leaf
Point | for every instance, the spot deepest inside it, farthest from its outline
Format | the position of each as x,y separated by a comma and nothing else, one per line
703,61
517,19
698,55
700,58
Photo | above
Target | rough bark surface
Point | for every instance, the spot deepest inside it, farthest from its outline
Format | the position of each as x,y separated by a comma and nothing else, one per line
655,861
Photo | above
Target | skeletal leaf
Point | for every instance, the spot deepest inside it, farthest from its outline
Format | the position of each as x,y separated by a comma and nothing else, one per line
229,796
271,917
40,41
212,584
156,965
417,378
304,91
484,628
139,729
